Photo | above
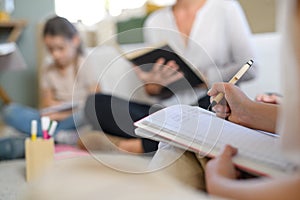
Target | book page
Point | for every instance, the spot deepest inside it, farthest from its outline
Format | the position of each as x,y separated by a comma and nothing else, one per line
59,108
201,129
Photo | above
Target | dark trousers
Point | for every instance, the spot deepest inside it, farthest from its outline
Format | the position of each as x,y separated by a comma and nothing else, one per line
115,116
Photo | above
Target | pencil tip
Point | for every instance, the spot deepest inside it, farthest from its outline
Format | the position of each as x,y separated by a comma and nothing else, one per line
208,108
211,105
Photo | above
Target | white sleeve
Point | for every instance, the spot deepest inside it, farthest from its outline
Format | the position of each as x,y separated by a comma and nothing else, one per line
241,46
152,27
148,39
89,69
149,35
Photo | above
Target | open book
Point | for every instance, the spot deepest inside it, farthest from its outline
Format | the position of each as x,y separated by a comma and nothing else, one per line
67,106
198,130
145,58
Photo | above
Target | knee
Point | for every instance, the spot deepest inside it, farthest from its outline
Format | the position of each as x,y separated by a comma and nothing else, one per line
10,111
96,100
95,103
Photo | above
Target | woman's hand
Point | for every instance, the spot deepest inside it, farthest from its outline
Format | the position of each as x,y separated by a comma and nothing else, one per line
235,104
219,169
238,108
159,76
269,98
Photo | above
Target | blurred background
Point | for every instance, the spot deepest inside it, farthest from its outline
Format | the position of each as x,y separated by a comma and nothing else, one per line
97,21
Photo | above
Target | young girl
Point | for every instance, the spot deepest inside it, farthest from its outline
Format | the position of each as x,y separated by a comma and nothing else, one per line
58,80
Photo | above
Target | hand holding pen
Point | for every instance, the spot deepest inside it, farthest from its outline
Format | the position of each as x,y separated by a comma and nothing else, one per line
236,105
216,99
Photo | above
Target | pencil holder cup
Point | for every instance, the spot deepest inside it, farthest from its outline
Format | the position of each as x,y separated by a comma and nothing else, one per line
39,155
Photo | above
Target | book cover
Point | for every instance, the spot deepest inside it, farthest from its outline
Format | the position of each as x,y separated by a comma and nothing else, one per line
147,57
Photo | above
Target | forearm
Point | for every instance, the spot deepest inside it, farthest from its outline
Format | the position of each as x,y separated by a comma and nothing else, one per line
260,116
48,103
48,100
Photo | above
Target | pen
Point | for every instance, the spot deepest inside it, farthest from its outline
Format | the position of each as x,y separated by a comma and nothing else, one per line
45,126
33,130
234,80
52,128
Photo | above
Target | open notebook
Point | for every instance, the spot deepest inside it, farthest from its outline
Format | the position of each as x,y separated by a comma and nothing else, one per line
59,108
200,131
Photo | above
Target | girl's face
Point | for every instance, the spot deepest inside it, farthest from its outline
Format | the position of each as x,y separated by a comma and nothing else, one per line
62,50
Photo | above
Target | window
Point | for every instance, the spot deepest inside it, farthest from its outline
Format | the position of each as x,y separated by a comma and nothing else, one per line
87,11
90,12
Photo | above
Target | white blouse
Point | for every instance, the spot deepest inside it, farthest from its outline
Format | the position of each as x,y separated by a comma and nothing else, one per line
218,45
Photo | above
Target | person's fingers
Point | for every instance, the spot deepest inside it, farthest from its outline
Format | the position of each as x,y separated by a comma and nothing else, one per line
216,89
222,111
259,97
269,98
174,77
223,115
264,97
140,73
158,65
221,108
137,69
172,64
167,71
228,152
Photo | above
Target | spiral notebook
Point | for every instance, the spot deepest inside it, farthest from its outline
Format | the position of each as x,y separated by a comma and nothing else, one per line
198,130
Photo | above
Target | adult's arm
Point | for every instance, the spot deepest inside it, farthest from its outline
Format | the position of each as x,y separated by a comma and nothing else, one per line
239,109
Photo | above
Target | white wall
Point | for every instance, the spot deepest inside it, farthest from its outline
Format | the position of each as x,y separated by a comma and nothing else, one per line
268,57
